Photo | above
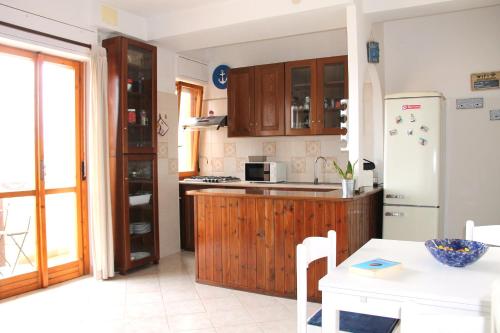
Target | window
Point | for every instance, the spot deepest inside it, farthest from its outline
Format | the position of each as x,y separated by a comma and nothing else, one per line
189,99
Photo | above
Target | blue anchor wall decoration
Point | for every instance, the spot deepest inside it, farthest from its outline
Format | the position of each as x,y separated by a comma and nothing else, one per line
220,76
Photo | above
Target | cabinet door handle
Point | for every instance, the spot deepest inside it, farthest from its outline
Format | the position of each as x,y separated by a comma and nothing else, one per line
396,214
394,196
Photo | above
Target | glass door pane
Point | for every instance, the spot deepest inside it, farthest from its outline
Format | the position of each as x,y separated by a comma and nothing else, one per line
139,98
59,114
301,97
59,133
141,213
18,236
333,92
17,127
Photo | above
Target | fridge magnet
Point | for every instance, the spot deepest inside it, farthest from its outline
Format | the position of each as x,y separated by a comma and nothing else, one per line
485,81
409,132
412,118
422,141
220,75
393,132
424,128
399,120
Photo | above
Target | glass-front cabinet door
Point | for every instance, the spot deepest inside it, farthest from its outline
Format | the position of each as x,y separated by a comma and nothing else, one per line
141,215
140,112
300,89
332,88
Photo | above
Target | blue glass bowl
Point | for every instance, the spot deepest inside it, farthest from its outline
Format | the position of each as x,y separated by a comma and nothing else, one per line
455,258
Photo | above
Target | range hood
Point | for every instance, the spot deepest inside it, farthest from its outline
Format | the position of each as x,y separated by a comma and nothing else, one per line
205,122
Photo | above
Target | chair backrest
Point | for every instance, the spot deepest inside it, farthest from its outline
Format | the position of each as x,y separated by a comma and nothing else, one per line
311,249
416,318
489,234
495,307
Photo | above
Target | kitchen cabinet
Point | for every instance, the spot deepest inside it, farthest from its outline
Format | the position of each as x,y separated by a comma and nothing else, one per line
332,87
269,100
132,151
247,239
314,89
240,97
300,97
295,98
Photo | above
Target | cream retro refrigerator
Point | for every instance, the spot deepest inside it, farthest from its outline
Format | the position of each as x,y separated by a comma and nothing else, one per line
413,164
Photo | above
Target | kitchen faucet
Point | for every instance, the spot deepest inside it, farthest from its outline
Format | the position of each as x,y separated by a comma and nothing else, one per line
316,162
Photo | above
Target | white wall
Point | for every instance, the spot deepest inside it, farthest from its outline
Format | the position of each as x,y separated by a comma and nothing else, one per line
168,179
439,53
220,155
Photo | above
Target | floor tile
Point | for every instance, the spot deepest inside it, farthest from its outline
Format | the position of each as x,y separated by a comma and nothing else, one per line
197,321
230,318
184,307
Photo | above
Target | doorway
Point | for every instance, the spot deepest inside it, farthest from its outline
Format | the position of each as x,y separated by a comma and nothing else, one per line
42,173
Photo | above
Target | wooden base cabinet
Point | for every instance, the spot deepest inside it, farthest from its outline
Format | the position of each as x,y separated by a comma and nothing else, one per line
132,151
249,243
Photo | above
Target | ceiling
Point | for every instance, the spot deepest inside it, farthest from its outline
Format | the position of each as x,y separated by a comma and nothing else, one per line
149,8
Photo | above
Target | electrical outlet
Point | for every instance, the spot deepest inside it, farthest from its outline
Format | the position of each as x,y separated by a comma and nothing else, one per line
494,114
470,103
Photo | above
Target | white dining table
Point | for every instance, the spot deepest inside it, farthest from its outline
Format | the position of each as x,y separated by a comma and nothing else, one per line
422,280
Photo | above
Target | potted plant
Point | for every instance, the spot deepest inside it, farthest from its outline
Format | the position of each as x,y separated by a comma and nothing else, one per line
347,176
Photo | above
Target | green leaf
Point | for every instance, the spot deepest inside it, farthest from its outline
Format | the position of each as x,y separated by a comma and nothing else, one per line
339,170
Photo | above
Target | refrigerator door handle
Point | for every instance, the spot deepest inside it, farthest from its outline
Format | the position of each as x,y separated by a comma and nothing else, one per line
394,214
394,196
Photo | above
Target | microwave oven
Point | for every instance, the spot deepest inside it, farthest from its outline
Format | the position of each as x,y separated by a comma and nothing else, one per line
268,172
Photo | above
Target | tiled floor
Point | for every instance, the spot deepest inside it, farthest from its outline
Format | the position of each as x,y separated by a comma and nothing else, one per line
162,298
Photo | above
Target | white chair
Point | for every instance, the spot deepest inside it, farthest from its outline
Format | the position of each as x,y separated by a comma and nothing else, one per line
495,307
489,234
416,318
311,249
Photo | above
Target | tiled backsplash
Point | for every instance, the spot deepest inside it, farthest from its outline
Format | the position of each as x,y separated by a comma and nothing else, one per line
220,155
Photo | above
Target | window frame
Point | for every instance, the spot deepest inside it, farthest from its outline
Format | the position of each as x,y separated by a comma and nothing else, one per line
196,134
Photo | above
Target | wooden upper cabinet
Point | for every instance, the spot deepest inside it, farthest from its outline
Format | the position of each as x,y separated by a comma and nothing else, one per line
300,94
240,96
332,88
295,98
269,100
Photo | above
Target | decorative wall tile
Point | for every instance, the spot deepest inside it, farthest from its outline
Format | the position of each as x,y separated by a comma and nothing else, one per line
269,148
205,166
313,148
298,165
162,149
173,166
217,164
330,167
217,149
229,166
240,164
229,149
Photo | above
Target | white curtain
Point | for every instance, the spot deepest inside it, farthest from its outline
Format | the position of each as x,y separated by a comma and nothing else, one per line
101,228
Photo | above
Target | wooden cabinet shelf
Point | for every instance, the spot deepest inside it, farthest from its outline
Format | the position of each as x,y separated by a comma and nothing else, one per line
133,162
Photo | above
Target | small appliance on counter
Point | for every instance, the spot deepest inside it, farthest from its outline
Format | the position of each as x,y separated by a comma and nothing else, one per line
366,175
265,172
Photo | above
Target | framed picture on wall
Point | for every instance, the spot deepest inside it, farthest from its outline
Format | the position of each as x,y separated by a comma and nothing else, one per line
485,81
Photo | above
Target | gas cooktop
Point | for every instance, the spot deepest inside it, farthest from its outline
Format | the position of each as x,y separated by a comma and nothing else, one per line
212,179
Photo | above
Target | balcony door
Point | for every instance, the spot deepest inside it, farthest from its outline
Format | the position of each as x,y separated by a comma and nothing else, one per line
42,205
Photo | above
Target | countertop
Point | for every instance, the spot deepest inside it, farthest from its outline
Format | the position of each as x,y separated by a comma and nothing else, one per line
294,185
333,195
